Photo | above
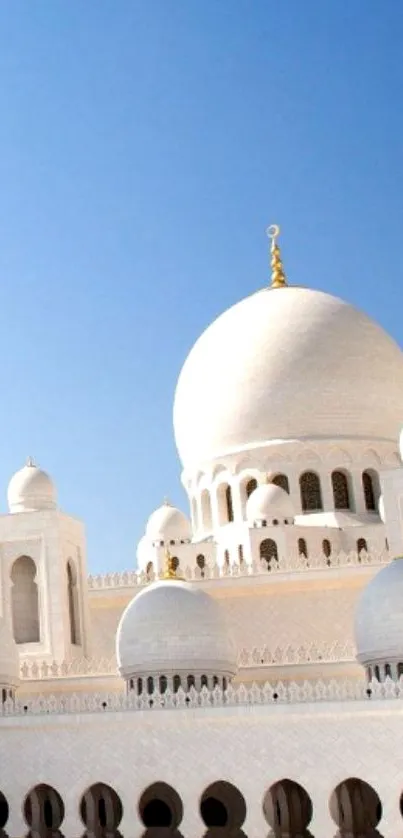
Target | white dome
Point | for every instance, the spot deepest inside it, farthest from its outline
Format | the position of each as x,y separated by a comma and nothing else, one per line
31,489
168,524
173,627
285,364
379,617
269,502
9,659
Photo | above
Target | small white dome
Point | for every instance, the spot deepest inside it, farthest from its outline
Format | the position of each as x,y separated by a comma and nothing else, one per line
9,658
379,617
31,489
171,627
268,503
168,524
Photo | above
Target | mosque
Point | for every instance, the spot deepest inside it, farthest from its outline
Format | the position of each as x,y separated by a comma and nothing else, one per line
246,680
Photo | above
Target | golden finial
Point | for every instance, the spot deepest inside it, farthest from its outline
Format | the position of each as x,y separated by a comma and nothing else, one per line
278,279
170,569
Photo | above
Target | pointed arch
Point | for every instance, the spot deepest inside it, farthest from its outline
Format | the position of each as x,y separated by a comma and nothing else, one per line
73,604
24,601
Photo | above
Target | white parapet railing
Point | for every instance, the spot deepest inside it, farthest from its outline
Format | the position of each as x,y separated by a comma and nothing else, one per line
290,655
278,693
291,563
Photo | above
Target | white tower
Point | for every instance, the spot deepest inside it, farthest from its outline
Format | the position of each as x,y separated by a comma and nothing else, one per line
43,570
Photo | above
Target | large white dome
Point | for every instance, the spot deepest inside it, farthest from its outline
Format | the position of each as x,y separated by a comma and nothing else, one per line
31,489
284,364
173,627
379,617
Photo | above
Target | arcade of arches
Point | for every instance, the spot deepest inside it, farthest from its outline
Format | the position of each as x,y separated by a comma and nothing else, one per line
354,806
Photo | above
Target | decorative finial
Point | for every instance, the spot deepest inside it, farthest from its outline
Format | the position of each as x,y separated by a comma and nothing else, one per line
278,279
169,569
30,462
166,501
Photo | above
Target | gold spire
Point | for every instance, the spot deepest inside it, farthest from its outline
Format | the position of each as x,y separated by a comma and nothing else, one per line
169,568
278,279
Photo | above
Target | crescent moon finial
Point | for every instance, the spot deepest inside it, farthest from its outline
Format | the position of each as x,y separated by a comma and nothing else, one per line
278,279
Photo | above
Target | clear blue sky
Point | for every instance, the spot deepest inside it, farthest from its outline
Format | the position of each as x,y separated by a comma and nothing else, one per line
144,147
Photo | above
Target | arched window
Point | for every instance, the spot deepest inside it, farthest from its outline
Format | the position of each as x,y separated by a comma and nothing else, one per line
226,558
311,495
201,563
362,545
190,681
327,548
282,481
302,548
205,502
377,673
399,670
388,670
250,486
163,684
24,601
101,810
268,550
177,683
139,686
174,563
150,685
150,570
370,485
73,602
230,508
341,493
204,681
240,554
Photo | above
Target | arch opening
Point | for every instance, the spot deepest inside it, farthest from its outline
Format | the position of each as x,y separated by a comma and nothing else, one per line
101,809
43,810
223,806
288,809
25,601
356,809
73,604
160,806
268,551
